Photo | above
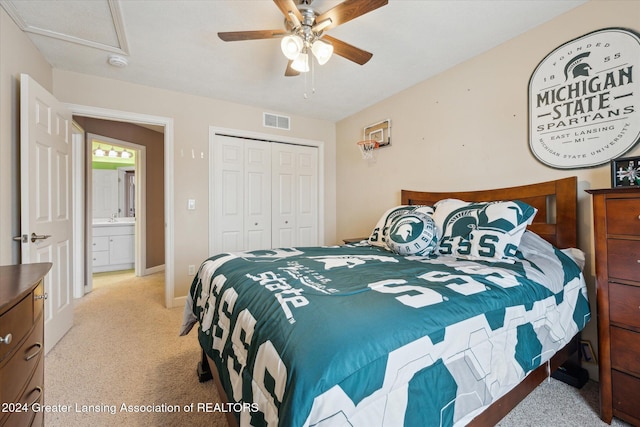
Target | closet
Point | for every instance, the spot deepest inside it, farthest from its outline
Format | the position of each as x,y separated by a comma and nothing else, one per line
265,194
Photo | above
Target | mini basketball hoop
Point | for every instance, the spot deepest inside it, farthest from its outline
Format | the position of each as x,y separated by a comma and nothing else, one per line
366,147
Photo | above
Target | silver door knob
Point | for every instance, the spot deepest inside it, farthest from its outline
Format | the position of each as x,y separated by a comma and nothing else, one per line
6,339
35,237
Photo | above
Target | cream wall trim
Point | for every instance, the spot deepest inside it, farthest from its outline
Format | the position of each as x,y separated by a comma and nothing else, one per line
103,113
78,186
273,138
180,301
153,270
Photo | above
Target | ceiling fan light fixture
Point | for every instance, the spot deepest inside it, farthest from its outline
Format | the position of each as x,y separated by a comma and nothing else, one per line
291,46
301,63
322,51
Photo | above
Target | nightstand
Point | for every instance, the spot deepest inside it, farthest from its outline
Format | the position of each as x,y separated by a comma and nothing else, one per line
616,214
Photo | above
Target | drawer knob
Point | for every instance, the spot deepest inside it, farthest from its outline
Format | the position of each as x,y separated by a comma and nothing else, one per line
6,339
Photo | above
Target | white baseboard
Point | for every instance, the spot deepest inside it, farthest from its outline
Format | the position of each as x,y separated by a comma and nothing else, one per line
179,301
156,269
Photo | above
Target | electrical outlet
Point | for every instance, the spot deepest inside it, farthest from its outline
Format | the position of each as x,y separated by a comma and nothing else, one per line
192,270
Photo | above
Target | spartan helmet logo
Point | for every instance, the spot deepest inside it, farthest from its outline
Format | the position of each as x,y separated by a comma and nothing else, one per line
406,229
577,66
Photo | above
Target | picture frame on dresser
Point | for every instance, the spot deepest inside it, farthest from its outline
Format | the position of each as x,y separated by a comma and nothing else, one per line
625,172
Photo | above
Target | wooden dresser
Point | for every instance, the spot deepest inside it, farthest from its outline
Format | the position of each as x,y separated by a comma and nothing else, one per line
616,215
22,343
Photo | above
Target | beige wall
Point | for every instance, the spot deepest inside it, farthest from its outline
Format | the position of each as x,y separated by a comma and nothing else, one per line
466,129
192,116
17,55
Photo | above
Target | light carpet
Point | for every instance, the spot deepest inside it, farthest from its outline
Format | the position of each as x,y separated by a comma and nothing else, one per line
124,349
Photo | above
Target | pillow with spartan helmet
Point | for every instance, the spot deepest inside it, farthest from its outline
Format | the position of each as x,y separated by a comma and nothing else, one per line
413,233
378,236
489,231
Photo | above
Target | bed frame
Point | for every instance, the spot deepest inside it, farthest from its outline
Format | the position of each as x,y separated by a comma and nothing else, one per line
556,222
556,201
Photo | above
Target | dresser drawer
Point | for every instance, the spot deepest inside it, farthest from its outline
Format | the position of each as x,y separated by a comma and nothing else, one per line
625,393
625,350
624,259
21,366
16,322
624,304
33,393
623,216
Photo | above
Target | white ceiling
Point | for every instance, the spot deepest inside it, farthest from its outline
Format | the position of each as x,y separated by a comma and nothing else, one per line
173,44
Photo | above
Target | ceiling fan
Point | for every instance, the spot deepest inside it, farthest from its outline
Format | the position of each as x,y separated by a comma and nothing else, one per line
304,33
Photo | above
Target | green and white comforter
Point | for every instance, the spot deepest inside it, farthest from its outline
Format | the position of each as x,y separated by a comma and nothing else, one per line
355,335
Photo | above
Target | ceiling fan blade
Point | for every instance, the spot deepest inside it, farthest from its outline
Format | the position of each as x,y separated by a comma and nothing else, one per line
348,51
233,36
287,6
348,10
290,72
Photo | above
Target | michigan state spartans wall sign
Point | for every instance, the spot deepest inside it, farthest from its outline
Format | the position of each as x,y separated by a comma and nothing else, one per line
584,100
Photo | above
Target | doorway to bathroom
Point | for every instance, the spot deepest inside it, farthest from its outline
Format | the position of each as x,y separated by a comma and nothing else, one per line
115,205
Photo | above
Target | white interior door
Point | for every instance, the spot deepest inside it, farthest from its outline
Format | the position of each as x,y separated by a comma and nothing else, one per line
307,196
284,197
228,195
241,194
294,195
45,185
257,195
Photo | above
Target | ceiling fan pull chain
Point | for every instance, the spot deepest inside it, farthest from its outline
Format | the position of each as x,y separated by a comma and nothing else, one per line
305,86
313,76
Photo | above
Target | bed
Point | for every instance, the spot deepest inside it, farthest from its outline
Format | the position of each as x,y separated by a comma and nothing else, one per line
363,335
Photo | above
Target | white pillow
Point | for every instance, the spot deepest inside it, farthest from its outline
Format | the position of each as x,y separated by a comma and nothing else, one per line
489,231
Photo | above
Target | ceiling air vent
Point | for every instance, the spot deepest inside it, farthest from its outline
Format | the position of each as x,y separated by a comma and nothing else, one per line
275,121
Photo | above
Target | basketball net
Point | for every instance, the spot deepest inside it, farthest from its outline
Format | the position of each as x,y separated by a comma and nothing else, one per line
366,148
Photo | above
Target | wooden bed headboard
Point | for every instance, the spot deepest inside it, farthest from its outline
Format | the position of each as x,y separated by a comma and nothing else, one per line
556,201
